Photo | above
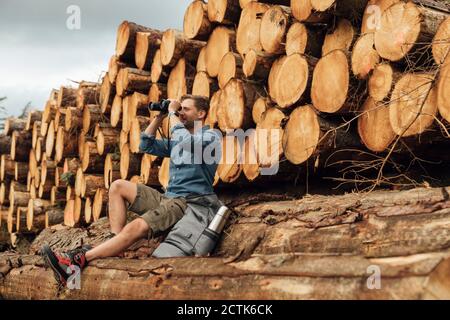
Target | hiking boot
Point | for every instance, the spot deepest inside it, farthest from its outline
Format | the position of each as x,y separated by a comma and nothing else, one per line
63,263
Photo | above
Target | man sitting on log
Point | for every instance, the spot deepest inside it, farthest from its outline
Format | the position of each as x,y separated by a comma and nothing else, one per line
189,202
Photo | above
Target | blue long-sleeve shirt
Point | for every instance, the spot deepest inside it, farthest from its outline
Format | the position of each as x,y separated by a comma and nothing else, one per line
193,159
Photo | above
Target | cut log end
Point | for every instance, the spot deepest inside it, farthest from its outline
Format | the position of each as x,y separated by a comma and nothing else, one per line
301,135
413,104
374,126
364,56
330,82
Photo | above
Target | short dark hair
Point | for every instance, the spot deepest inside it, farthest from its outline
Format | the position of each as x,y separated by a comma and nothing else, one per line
200,102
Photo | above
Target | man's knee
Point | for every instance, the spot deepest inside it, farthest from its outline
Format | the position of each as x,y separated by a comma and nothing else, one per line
123,188
138,228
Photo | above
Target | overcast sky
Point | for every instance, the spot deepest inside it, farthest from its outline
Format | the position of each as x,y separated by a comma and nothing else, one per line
39,52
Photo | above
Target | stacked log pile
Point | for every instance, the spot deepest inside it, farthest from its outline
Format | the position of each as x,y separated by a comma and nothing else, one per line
310,79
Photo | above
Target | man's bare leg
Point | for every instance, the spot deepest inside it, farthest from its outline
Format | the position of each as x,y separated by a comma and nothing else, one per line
132,232
119,192
126,235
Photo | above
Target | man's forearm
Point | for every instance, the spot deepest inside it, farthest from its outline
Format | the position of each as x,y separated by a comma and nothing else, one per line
154,125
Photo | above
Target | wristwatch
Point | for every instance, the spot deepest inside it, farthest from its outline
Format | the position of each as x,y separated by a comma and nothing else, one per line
173,113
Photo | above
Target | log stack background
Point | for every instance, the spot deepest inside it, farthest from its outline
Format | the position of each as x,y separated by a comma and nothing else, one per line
335,81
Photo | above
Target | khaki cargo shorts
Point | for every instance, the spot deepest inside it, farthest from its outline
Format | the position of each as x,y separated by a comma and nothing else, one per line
159,211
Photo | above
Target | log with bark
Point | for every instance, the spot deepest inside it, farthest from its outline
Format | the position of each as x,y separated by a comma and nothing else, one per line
257,65
230,67
126,40
332,76
221,41
14,124
159,72
413,104
443,95
304,39
112,169
196,24
204,85
92,115
67,97
318,243
236,101
131,80
275,24
225,12
175,45
181,80
290,77
107,94
247,34
405,29
146,45
67,144
87,93
32,117
107,138
20,145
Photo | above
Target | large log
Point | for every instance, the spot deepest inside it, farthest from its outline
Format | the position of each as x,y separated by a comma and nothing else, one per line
443,95
7,167
92,115
130,163
196,24
374,126
175,46
257,65
126,40
224,11
274,26
319,243
372,14
364,56
107,94
87,93
236,101
73,119
332,76
204,85
304,39
107,138
441,43
382,80
67,144
32,117
405,29
67,97
131,80
247,35
341,38
112,168
159,72
92,161
413,104
289,78
14,124
20,145
181,80
221,41
5,144
114,67
302,10
230,67
146,45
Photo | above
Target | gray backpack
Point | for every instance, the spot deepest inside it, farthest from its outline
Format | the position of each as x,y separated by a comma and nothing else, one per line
185,238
